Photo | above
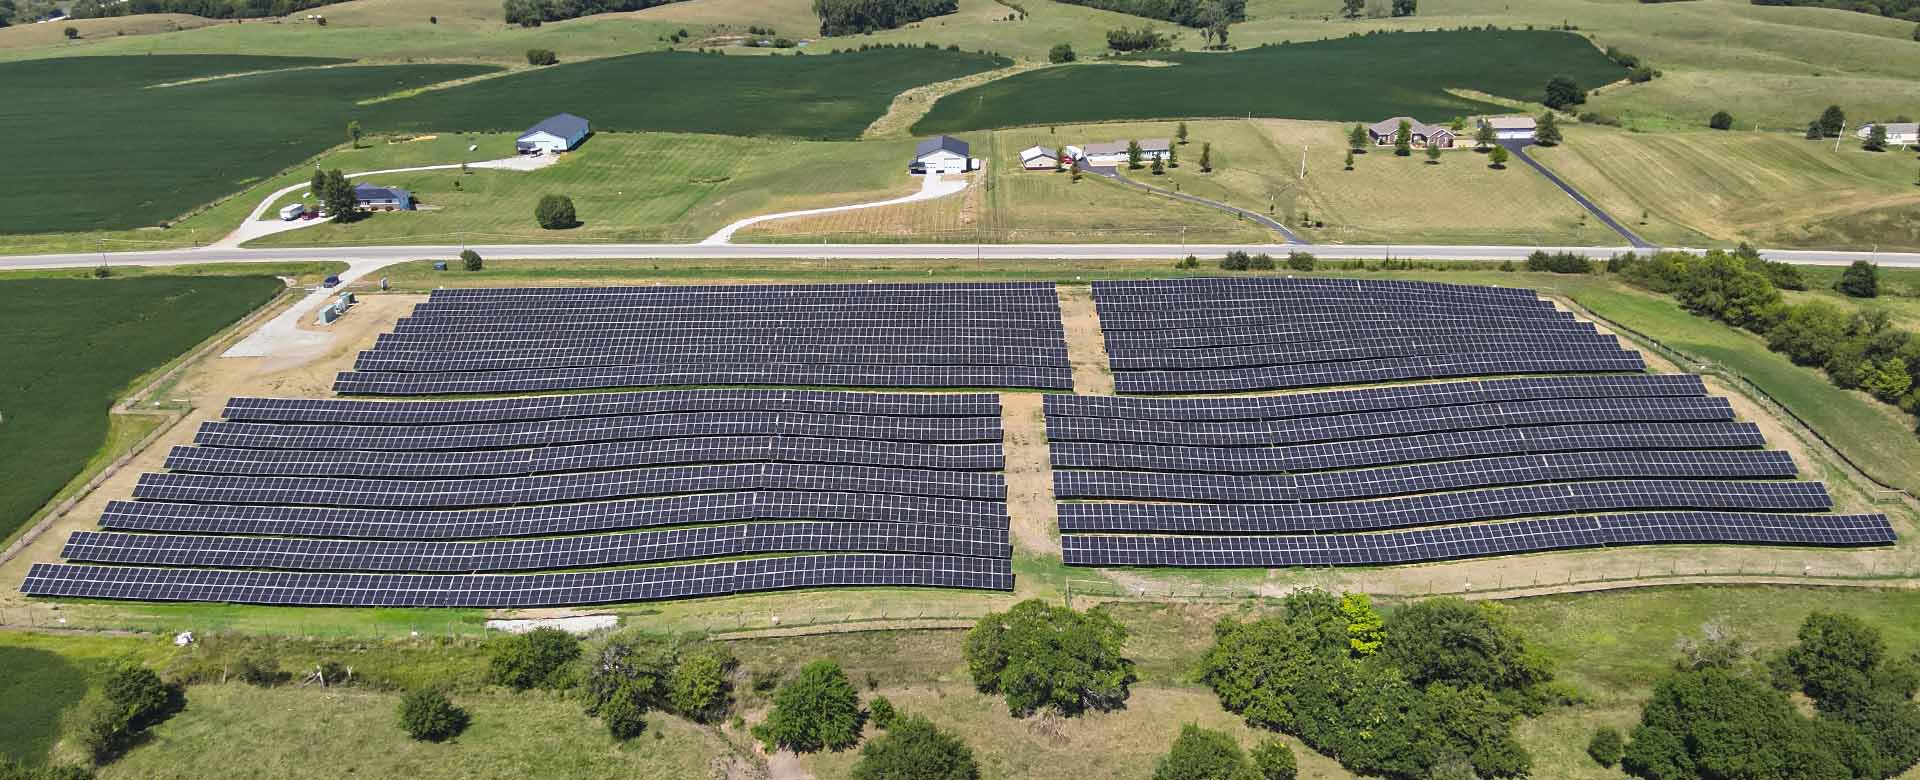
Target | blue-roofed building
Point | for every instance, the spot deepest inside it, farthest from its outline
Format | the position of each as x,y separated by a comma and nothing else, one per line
557,133
369,197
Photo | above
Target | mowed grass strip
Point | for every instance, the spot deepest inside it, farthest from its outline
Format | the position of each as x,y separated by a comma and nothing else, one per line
1359,78
812,96
112,153
73,346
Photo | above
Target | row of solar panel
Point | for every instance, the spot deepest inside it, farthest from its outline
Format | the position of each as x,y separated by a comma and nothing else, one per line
1282,316
764,290
1397,422
1375,399
555,488
539,433
1474,541
851,326
1217,284
1407,449
1134,342
584,457
551,519
410,360
766,338
578,552
745,307
777,374
850,315
1442,508
1373,371
553,407
518,590
1424,478
1355,347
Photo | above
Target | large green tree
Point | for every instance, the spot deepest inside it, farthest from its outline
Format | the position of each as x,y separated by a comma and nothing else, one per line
914,749
1403,139
337,197
1546,132
1563,92
816,710
1714,723
536,659
1860,280
1451,640
1040,656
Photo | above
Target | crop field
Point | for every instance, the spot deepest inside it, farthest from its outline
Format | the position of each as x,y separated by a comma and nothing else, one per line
1772,189
1347,79
816,96
73,346
114,151
38,685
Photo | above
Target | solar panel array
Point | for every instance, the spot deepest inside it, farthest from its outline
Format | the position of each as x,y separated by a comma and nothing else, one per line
1233,335
384,503
1397,475
537,340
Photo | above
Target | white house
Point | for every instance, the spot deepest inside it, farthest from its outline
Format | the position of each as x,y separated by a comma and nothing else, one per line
1898,133
942,154
557,133
1511,128
1115,152
1039,158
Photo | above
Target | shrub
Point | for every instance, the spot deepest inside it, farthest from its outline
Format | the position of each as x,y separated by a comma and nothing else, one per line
1275,761
880,711
256,667
1190,262
72,33
1061,52
1721,121
1454,641
10,770
130,700
1564,92
1143,39
555,212
1559,262
1204,754
538,658
471,260
427,715
1300,261
1606,746
701,683
914,749
1261,262
625,712
541,57
818,709
1041,656
1860,280
1236,260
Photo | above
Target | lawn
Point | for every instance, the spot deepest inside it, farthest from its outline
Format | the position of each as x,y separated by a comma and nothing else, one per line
814,96
120,152
73,347
37,687
1348,79
1771,189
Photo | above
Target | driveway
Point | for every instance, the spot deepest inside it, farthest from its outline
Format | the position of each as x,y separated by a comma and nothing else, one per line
1519,149
931,186
255,227
1113,173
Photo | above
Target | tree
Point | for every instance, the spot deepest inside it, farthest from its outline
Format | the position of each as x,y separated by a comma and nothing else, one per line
1546,132
1459,125
1606,746
427,715
73,33
1916,32
1204,754
1876,139
1365,628
1173,156
11,770
1563,92
1300,261
1433,154
625,712
816,710
1218,29
915,749
1813,130
701,683
1352,9
1061,53
1405,7
1040,656
1133,155
1721,121
1403,139
472,262
1180,133
353,132
1206,157
1498,157
1832,121
1159,167
338,198
541,57
1275,761
538,658
555,212
1860,280
1835,659
1349,159
881,713
1357,138
318,186
1484,137
1454,641
1716,723
130,700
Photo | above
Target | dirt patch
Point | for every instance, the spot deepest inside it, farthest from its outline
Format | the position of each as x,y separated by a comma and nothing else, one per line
576,624
1086,342
1029,474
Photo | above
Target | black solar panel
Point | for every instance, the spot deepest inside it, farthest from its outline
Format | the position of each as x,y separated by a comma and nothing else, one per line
541,433
1375,399
759,373
1357,372
523,590
554,407
1438,544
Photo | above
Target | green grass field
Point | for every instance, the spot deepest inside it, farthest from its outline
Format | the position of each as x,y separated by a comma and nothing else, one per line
814,96
37,687
118,152
74,346
1363,78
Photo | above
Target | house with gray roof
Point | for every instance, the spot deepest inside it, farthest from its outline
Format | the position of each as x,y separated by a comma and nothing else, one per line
1386,132
557,133
371,197
1115,152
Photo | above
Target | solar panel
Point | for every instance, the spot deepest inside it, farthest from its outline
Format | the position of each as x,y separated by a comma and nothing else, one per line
554,407
1328,402
1374,371
518,590
667,425
668,375
1373,424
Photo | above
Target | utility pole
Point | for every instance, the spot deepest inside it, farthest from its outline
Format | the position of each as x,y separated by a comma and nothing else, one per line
1303,162
1837,138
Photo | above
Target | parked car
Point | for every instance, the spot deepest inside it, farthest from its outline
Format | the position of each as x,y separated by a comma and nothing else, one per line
331,282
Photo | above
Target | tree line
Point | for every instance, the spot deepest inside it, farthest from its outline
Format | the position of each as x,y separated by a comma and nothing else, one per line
211,9
854,17
1187,13
530,13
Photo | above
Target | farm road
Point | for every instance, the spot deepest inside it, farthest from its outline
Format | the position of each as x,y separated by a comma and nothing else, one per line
931,187
1519,149
1113,173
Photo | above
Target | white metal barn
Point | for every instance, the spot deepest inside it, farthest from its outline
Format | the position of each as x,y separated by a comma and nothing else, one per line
1511,128
942,154
1898,133
1039,158
557,133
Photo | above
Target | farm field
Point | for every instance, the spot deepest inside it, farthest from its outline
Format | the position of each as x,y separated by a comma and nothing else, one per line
74,346
1359,78
1771,189
197,142
820,96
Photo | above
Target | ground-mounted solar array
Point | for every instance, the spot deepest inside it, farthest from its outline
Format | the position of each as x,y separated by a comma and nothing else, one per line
558,500
1408,474
878,336
1235,335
